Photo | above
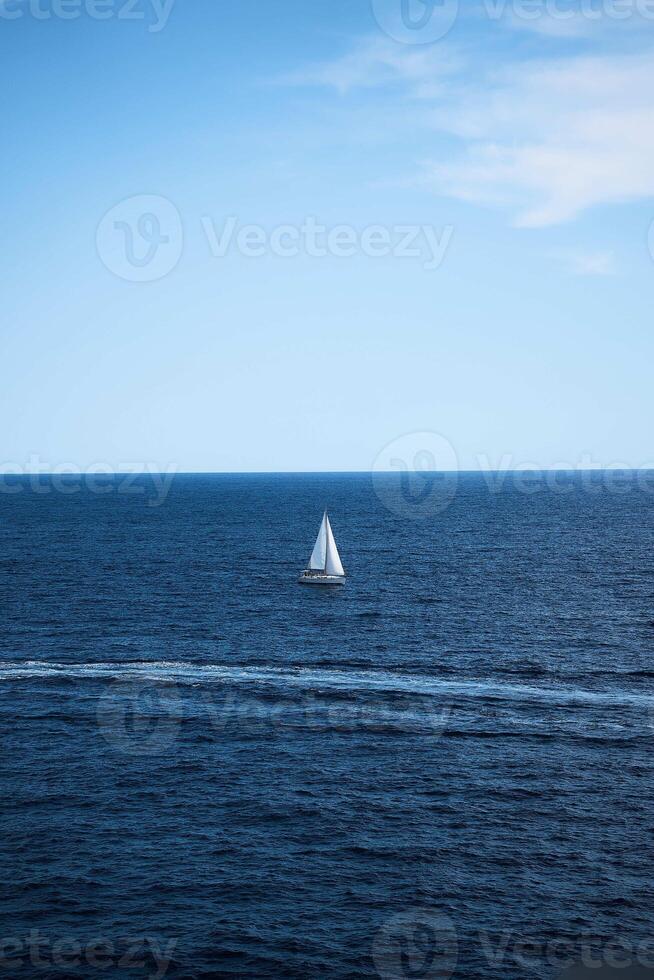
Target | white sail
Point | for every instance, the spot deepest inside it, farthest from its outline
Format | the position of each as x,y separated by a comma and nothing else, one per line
318,559
325,556
333,565
325,567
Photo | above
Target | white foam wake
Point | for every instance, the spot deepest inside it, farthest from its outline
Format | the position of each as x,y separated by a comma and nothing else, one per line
320,678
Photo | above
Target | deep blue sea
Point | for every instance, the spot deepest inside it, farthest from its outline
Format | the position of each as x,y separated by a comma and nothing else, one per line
442,769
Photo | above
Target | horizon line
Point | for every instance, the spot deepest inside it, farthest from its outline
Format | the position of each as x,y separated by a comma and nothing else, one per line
527,468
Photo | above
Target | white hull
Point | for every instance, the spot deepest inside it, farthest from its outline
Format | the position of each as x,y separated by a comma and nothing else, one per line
313,578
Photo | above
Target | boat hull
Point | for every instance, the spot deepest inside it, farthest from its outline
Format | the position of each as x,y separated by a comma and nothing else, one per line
321,579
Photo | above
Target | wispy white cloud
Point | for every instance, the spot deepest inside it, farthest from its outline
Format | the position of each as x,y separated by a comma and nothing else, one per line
377,62
581,262
555,138
548,139
571,28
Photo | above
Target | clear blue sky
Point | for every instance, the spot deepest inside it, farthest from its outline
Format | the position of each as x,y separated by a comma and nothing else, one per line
533,139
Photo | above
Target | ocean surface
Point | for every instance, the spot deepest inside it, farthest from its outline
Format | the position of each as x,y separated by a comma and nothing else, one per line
443,769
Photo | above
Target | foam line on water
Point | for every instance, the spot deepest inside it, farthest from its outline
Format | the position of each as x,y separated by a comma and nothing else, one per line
313,678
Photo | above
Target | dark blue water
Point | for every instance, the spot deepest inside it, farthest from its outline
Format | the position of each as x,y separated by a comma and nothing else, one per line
209,770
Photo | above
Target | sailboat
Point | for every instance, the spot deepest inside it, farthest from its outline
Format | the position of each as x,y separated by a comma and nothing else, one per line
325,566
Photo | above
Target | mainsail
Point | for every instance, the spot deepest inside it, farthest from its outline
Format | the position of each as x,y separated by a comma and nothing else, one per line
333,565
325,556
319,555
